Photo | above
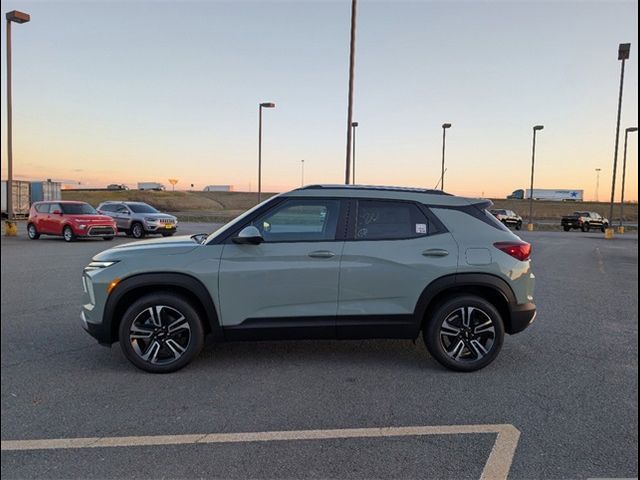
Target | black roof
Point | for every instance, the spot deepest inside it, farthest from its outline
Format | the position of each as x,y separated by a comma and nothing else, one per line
375,188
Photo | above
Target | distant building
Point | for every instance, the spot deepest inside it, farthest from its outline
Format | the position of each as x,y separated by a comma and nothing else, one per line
218,188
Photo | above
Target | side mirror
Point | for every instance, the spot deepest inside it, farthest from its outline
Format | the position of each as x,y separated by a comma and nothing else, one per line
249,236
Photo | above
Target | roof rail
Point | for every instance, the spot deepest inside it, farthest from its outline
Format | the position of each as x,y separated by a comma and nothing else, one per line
375,188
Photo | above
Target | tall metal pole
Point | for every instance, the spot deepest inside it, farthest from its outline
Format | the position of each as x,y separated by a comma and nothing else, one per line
598,170
302,177
9,129
352,55
623,54
533,164
354,125
444,138
260,153
624,174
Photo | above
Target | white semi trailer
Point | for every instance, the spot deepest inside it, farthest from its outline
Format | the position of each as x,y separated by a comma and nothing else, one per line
549,194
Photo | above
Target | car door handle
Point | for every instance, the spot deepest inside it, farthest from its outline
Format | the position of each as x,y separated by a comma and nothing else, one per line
435,252
322,254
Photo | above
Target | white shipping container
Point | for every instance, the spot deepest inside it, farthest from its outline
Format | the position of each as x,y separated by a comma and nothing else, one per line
557,195
21,197
218,188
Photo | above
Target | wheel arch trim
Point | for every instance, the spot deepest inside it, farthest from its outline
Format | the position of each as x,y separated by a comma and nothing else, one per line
161,280
457,280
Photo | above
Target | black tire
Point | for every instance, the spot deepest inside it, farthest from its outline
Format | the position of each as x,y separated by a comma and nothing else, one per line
32,232
137,230
604,227
144,312
519,226
469,357
108,239
585,227
566,229
67,234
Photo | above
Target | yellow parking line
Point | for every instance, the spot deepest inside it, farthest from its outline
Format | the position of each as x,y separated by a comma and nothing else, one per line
496,467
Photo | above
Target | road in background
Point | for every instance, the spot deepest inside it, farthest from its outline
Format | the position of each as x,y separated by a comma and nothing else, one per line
569,383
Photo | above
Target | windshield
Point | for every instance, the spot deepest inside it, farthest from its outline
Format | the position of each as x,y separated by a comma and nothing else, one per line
142,208
78,209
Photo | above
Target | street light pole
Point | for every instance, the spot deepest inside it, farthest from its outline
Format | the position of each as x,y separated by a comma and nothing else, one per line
262,105
17,17
302,177
352,57
536,129
598,170
623,54
444,138
624,173
354,125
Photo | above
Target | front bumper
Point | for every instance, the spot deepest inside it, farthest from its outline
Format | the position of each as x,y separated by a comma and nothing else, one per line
522,316
161,228
96,330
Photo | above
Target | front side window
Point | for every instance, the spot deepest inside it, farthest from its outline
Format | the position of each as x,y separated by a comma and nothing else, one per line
42,208
300,221
142,208
385,220
78,209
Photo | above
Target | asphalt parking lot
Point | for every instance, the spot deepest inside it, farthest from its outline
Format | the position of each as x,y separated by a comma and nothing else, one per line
568,384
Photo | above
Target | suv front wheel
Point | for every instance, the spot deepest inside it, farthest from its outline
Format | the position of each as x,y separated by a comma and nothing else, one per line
464,333
161,333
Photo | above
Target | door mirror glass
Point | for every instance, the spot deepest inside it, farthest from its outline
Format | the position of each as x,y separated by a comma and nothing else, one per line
249,236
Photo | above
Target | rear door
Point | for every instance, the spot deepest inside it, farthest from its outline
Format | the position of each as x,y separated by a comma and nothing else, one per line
394,249
289,282
52,221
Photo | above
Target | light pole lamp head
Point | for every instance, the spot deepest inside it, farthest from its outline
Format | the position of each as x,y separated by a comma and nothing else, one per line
632,129
623,51
446,125
268,105
538,128
354,124
17,17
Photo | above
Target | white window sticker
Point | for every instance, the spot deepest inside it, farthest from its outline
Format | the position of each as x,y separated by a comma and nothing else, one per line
421,228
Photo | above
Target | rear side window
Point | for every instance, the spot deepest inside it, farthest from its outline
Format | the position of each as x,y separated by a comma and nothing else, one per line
388,220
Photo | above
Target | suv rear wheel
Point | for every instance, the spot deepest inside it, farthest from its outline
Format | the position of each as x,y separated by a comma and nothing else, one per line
32,232
161,333
465,333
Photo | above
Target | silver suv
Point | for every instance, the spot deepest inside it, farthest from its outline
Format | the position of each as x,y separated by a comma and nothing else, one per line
139,219
346,262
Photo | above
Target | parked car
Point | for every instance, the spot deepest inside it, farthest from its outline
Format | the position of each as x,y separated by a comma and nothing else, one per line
70,220
508,218
139,219
321,261
117,186
585,221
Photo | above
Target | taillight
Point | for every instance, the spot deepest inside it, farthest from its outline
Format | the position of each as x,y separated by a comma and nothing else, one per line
519,250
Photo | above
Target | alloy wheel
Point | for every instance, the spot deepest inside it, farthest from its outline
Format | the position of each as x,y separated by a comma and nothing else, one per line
32,232
67,234
160,335
467,334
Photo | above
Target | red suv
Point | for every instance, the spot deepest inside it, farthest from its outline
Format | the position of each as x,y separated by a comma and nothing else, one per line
69,219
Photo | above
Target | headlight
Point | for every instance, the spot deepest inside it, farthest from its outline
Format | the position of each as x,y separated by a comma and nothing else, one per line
82,226
98,265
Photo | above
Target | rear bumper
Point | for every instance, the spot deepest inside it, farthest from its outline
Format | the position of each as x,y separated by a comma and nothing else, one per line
521,317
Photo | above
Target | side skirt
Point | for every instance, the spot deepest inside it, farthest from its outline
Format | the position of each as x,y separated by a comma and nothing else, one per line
350,327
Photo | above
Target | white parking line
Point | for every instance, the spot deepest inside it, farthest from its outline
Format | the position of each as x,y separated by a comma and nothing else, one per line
496,467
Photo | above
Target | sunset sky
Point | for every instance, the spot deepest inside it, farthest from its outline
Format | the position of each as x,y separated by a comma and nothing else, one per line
121,92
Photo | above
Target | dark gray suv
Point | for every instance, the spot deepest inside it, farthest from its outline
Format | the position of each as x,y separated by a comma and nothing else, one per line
139,219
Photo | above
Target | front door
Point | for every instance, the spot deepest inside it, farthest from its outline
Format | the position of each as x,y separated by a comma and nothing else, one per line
291,279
